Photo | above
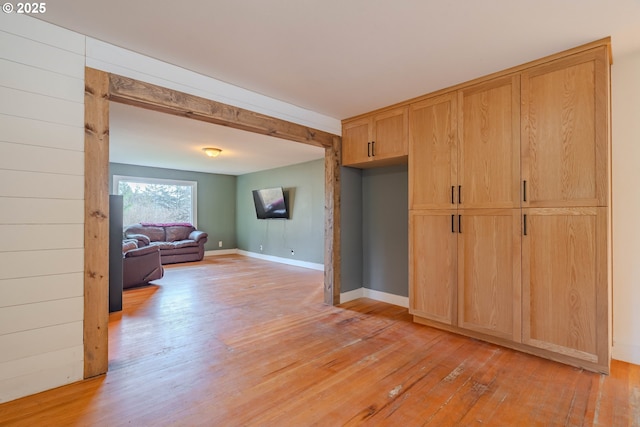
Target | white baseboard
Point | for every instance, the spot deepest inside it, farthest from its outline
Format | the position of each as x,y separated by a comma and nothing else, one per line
289,261
629,353
375,295
221,252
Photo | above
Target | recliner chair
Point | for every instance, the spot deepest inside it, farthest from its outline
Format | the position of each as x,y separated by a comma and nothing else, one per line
140,265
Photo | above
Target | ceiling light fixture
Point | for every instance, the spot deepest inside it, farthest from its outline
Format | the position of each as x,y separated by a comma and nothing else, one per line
212,152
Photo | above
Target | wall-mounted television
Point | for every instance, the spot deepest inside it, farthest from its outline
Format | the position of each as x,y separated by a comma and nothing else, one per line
271,203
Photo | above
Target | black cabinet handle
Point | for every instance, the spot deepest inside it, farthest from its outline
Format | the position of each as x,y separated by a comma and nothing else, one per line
459,223
373,148
453,227
459,194
524,191
525,224
368,149
453,200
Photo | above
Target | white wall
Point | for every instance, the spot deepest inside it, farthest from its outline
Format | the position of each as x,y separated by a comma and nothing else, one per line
626,207
41,206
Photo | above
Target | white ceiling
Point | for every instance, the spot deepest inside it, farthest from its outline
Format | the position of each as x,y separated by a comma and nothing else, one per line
346,57
148,138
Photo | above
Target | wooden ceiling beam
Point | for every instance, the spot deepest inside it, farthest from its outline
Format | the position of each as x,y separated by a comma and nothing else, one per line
146,95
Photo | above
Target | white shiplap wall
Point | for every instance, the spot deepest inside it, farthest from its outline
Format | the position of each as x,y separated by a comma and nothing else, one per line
41,206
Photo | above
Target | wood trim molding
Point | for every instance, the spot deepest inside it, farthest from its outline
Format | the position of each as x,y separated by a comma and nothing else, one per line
102,87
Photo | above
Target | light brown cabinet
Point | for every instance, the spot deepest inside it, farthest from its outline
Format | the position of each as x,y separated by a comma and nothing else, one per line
465,148
464,159
565,134
489,272
433,285
433,153
509,198
509,203
465,269
566,191
376,140
564,280
489,144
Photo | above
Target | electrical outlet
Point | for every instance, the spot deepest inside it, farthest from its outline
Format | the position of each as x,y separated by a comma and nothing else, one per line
292,252
220,244
260,248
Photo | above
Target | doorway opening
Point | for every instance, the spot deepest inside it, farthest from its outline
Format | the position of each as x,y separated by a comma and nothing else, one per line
100,89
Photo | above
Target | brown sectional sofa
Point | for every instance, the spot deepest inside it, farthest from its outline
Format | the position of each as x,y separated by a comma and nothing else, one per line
178,242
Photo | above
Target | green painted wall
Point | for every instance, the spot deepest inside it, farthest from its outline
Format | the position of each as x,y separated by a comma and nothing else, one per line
304,232
216,199
374,218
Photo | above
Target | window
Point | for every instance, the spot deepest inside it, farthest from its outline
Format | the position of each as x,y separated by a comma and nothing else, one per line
156,200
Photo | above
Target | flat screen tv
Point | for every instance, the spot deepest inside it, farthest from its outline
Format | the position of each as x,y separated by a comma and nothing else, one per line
271,203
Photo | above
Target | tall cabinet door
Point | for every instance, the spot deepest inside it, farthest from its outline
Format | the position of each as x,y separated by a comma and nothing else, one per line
432,261
489,144
565,306
432,153
489,293
565,110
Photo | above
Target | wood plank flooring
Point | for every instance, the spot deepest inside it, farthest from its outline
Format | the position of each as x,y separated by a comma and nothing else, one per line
235,341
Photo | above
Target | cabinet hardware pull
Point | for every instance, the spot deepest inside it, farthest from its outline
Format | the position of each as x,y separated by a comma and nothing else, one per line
373,148
453,228
459,194
460,224
524,191
525,224
453,200
368,149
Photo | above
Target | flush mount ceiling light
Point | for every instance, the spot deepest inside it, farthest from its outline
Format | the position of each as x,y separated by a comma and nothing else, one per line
212,152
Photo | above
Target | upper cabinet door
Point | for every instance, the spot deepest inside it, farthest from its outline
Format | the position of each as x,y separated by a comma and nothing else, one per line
390,134
489,144
433,153
356,142
378,139
565,131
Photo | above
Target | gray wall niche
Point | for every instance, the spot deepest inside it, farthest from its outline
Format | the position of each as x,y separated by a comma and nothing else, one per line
303,232
385,216
216,199
351,229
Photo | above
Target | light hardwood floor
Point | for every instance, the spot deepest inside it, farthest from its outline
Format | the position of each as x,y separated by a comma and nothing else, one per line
234,341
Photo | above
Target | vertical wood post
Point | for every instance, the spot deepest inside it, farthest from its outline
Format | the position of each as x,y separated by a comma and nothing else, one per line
332,253
96,225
